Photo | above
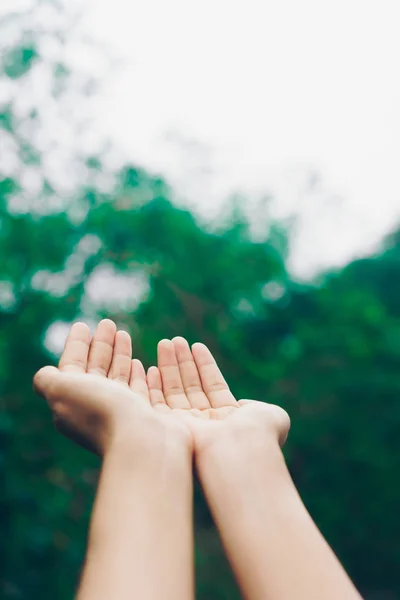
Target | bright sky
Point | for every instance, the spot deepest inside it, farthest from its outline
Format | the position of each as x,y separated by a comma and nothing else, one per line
254,96
301,99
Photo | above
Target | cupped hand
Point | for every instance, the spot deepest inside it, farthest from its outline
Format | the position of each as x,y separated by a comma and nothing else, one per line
189,385
99,394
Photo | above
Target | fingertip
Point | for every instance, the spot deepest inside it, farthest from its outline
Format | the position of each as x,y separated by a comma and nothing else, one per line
138,368
123,342
199,345
105,331
107,320
202,352
166,354
42,378
137,363
165,343
180,340
79,324
153,377
153,372
123,333
82,328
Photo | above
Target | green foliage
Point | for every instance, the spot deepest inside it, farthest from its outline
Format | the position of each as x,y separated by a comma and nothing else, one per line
329,354
18,61
7,187
6,118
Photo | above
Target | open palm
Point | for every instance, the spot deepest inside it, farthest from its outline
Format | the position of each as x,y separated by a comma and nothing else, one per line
187,386
183,381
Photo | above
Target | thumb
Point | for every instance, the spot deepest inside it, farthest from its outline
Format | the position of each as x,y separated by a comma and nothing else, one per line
44,380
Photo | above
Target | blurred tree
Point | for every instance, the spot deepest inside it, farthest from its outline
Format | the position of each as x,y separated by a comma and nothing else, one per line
85,249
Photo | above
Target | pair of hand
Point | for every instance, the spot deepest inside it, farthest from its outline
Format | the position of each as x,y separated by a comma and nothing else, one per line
99,396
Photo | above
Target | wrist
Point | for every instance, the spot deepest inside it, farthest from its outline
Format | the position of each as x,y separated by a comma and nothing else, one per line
234,472
241,481
241,447
150,442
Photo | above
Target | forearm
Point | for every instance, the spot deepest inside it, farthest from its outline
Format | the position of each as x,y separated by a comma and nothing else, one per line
274,547
140,542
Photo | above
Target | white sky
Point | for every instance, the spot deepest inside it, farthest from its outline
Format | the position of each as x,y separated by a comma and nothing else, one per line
260,93
225,95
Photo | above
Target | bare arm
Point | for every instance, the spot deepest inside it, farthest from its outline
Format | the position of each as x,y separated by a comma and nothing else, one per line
274,547
140,543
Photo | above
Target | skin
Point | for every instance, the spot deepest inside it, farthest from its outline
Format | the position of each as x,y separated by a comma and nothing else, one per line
272,543
274,547
183,408
141,538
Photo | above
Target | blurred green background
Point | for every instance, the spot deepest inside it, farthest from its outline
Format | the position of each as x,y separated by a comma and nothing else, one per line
328,350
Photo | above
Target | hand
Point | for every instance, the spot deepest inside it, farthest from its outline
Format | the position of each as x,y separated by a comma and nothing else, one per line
99,394
189,386
141,537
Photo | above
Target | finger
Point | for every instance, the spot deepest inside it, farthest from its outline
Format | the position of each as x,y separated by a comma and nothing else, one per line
171,378
138,381
102,348
213,382
44,381
189,375
76,350
120,369
154,381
